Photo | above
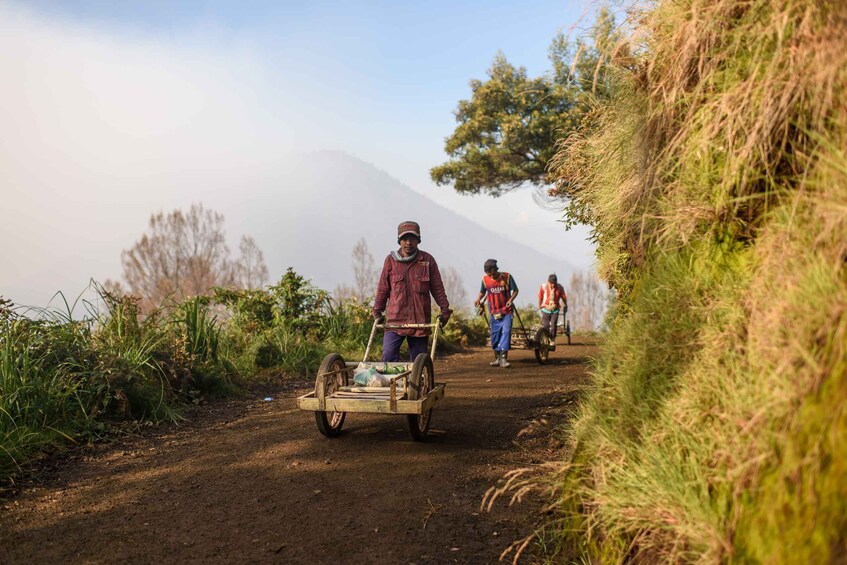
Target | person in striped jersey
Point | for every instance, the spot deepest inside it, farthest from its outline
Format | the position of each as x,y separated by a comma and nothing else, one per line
500,289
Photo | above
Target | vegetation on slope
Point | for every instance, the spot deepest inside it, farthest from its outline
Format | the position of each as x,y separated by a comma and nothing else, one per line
715,177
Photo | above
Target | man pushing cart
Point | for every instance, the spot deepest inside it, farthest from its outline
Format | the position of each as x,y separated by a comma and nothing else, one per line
402,310
409,276
500,289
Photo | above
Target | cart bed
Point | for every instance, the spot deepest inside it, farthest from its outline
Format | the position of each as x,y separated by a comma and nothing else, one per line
377,402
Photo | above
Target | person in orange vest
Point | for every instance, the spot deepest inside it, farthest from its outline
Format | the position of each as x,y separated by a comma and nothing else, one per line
550,295
501,291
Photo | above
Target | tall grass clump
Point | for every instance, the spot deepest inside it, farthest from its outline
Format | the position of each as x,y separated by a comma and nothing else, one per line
715,177
36,403
65,379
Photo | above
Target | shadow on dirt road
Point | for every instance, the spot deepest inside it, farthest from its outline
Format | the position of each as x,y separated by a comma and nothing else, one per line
254,481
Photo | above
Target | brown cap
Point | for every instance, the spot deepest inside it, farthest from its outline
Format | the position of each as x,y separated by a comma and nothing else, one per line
406,228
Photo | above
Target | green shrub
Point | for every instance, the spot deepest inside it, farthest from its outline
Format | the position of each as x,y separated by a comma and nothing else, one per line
63,379
465,330
268,355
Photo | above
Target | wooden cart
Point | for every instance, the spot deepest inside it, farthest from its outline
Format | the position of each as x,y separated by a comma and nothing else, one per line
536,338
411,391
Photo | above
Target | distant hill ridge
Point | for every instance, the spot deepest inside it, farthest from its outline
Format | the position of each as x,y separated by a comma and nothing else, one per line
312,215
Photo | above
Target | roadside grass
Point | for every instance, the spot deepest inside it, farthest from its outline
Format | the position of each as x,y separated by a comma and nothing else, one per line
36,405
74,380
716,181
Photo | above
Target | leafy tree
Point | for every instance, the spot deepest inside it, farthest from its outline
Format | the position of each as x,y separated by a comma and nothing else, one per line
297,301
509,128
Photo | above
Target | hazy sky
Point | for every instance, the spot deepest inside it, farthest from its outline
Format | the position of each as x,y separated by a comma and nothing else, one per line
111,111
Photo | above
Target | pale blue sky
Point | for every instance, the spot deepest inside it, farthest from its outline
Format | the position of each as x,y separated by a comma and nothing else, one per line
124,94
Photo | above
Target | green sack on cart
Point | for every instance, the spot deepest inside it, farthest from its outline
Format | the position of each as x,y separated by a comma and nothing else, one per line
366,375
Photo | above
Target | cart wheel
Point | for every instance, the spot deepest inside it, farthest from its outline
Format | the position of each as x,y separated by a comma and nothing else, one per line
542,338
419,384
329,423
568,330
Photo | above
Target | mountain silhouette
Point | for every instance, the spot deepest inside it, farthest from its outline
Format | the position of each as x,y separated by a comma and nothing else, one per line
310,215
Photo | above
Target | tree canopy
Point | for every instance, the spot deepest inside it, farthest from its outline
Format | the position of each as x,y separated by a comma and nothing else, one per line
508,130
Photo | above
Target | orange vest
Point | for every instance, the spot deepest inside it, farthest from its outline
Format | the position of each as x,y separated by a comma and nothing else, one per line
550,297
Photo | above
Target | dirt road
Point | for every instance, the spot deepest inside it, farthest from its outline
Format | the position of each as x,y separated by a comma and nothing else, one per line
253,481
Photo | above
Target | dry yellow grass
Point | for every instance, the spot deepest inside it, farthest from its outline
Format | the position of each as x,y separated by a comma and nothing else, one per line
716,180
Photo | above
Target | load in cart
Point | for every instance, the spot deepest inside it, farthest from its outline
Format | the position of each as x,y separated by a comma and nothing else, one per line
403,388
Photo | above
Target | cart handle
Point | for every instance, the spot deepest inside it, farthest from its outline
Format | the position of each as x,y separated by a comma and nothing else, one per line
482,313
436,327
518,315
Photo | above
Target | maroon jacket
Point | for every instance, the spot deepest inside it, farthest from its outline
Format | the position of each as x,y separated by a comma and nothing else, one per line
406,288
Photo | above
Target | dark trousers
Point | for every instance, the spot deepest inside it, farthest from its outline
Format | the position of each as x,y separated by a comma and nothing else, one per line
551,328
391,346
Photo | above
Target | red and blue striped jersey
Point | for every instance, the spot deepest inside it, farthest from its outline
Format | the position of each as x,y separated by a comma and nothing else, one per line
498,292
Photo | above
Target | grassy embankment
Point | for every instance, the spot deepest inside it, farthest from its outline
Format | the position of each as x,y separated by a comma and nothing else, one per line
64,380
716,180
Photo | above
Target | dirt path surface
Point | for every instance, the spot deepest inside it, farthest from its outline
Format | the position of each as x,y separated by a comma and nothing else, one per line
253,481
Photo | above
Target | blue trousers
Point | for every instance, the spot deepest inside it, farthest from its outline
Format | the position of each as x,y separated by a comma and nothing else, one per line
501,333
391,346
